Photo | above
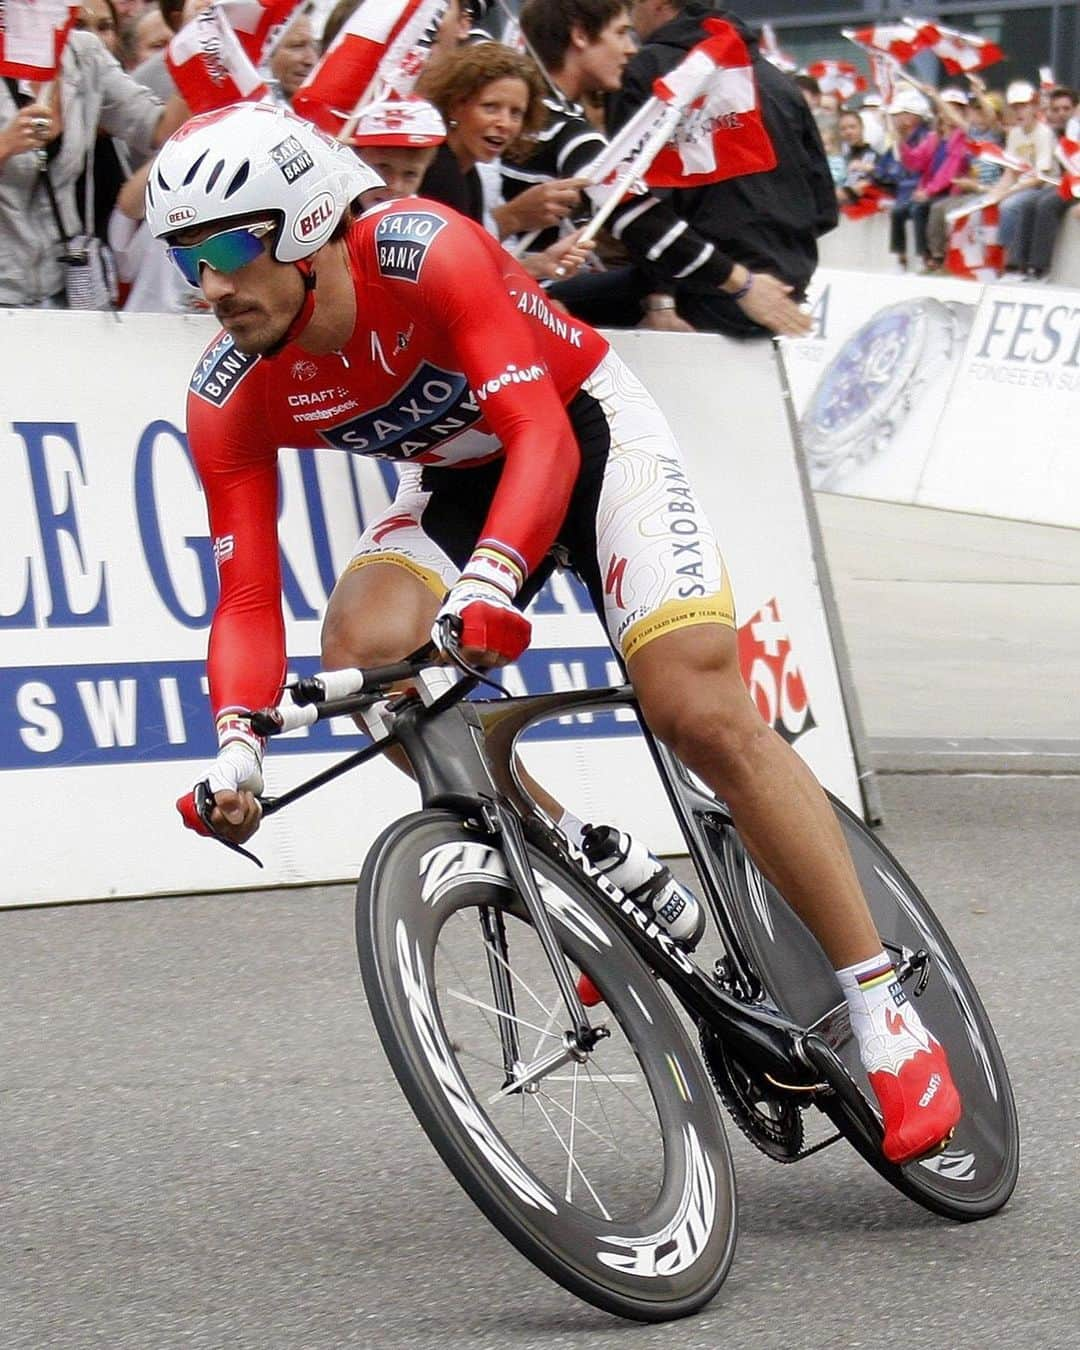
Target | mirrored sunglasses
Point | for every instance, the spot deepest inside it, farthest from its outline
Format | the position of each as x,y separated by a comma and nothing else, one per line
226,251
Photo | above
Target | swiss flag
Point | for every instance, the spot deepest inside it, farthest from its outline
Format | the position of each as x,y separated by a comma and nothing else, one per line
837,77
331,92
901,41
257,23
33,34
958,52
720,134
973,250
210,66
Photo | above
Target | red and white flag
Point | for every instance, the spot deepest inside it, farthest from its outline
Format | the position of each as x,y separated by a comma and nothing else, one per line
960,53
899,40
210,66
837,77
33,34
885,71
871,200
973,249
991,153
771,51
258,23
1068,153
381,49
702,125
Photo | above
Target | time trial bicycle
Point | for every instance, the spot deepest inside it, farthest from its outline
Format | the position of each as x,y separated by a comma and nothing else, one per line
591,1136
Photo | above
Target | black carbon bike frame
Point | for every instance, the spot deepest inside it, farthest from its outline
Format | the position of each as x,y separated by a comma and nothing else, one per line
462,755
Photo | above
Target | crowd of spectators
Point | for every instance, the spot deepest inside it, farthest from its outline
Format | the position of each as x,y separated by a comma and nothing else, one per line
505,138
919,158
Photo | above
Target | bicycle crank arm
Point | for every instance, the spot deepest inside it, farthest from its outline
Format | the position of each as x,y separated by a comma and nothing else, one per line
836,1075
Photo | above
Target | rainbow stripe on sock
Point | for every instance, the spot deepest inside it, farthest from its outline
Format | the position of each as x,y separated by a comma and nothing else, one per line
880,975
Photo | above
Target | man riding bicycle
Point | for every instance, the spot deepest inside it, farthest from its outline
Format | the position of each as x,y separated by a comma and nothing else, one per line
406,331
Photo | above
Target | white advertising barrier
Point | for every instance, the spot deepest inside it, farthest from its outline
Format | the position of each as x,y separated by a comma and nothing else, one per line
940,392
107,584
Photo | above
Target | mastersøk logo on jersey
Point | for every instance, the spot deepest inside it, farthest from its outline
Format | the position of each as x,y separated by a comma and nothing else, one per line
315,220
402,239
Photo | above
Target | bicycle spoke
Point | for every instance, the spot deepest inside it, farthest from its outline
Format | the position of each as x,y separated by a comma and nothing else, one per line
498,1012
573,1161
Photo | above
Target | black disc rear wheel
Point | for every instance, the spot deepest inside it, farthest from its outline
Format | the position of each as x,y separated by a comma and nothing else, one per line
976,1173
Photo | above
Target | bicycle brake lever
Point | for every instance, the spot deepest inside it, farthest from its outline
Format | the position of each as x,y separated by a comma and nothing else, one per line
204,805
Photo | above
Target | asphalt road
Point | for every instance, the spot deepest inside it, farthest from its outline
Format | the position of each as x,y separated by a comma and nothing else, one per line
202,1145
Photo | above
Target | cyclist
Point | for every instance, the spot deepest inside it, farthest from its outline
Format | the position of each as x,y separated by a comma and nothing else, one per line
407,331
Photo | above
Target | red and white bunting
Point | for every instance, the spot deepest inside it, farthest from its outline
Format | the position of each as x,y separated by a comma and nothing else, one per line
974,250
960,53
1068,153
210,66
772,52
899,40
347,72
838,77
33,34
258,23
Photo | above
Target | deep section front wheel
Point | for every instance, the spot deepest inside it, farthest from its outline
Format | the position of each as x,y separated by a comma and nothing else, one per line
977,1172
610,1170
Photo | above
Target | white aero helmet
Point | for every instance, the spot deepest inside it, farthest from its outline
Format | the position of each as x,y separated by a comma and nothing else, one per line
256,159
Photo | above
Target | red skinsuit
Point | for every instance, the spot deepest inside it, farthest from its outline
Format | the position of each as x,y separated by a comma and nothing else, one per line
442,310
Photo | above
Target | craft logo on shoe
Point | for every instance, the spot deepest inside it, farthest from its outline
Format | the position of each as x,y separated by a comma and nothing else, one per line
772,675
931,1090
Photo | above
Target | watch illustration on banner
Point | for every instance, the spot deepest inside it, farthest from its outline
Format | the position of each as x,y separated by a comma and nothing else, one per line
875,382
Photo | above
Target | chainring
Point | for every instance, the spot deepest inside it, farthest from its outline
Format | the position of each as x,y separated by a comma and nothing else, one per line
772,1122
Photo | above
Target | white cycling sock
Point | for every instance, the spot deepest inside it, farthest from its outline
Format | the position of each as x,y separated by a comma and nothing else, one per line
874,998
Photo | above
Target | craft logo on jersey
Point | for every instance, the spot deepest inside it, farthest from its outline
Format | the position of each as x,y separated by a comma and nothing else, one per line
402,239
291,158
772,674
220,371
433,406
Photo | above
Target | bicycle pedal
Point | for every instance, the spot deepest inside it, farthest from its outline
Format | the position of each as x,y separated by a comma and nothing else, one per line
587,991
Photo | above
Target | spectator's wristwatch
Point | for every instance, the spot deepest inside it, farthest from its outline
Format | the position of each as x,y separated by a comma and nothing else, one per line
874,380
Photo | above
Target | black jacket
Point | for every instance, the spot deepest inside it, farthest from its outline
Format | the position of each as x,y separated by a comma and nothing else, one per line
769,222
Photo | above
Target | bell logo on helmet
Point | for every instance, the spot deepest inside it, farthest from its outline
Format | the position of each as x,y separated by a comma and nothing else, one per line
313,218
180,215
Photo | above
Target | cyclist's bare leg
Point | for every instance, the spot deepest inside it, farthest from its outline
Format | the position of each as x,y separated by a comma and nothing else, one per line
378,614
692,696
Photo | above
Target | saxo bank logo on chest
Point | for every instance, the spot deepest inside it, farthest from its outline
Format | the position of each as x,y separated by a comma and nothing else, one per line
432,406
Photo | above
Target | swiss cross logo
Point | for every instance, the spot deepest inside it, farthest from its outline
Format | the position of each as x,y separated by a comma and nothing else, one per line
772,674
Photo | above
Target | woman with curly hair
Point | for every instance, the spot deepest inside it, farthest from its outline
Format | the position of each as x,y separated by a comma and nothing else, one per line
492,99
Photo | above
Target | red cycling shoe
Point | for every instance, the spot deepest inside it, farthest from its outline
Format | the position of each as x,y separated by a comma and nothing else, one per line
918,1098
